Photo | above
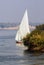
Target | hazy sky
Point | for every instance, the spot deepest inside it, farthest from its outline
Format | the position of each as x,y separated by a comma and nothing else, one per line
13,10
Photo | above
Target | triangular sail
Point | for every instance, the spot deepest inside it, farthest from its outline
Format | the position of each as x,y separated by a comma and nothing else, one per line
23,28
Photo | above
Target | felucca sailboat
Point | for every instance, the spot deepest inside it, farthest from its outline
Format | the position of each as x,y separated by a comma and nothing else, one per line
23,28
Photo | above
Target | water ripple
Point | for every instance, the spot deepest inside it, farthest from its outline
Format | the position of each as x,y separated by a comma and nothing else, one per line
7,37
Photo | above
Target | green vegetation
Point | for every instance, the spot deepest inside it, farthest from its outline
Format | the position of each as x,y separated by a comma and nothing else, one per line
35,40
40,27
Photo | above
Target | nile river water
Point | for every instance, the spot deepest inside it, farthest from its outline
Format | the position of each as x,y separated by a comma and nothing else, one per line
10,54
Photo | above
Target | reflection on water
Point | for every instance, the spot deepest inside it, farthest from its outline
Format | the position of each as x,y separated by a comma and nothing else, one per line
10,54
35,58
33,53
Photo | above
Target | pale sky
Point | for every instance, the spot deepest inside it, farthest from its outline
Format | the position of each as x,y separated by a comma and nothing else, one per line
13,10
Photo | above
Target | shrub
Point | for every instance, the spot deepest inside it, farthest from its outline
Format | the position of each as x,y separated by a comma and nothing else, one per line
34,39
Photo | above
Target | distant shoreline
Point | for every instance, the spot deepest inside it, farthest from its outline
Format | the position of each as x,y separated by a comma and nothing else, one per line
9,28
14,28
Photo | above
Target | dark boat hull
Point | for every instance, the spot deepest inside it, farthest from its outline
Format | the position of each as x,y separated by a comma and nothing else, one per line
19,42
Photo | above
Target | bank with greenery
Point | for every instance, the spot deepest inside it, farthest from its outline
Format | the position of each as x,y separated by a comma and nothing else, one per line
35,40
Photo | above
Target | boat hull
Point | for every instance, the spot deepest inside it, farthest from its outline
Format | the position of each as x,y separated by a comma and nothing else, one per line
18,42
21,45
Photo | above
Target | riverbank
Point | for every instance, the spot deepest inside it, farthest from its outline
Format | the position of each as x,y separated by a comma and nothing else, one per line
36,49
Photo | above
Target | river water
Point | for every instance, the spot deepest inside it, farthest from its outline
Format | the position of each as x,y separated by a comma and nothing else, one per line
10,54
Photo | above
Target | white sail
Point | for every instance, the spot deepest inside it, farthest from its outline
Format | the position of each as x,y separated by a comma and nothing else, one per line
23,28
